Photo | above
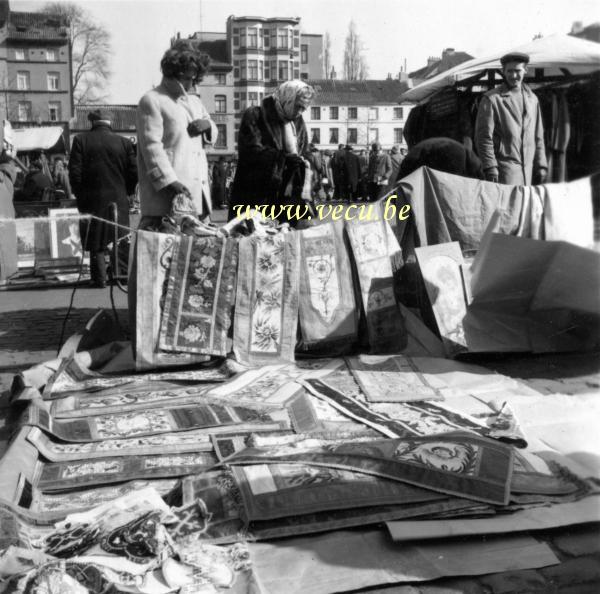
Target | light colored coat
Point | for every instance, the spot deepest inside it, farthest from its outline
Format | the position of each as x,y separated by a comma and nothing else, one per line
166,152
509,146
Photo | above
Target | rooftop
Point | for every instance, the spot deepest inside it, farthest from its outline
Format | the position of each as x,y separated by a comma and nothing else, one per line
450,58
122,117
35,25
359,92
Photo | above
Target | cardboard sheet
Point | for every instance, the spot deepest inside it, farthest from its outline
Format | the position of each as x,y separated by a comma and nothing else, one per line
540,518
343,561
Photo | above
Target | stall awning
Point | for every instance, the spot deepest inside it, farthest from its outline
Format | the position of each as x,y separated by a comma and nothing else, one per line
39,138
556,54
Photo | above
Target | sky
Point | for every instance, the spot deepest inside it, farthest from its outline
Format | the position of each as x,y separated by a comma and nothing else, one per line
392,31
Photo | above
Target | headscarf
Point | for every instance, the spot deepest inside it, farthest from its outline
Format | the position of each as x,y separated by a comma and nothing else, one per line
286,94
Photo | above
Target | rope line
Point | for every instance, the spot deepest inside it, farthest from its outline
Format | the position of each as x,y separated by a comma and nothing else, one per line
68,217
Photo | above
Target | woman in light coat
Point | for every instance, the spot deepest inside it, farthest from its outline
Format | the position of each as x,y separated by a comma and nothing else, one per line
173,127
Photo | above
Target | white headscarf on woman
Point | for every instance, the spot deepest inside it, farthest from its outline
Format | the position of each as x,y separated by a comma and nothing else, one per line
286,94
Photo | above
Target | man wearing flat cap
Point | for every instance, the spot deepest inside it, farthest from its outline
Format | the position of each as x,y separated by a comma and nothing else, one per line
509,134
102,170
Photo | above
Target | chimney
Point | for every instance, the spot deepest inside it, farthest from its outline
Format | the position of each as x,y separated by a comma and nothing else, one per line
448,52
389,76
432,60
577,27
333,75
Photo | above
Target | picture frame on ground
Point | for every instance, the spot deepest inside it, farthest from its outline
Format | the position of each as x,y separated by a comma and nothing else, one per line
65,240
441,269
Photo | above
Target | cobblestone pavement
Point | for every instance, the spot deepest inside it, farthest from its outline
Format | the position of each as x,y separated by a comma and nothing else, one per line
30,329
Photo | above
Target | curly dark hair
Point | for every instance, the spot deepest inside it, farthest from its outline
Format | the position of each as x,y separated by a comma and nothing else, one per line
183,56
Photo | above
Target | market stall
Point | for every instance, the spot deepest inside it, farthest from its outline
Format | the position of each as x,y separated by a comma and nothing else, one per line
564,72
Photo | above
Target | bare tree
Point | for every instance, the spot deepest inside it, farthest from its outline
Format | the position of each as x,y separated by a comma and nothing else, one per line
327,54
355,64
90,43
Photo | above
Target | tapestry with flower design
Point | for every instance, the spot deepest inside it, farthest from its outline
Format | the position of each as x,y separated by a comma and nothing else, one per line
266,305
374,248
200,295
327,308
153,252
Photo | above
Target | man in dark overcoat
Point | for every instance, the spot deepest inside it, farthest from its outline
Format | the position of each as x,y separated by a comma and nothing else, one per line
102,171
352,164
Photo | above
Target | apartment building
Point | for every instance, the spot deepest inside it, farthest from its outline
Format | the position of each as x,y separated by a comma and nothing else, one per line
35,69
357,113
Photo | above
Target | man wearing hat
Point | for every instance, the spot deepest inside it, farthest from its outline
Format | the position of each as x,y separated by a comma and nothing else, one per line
509,134
378,174
102,170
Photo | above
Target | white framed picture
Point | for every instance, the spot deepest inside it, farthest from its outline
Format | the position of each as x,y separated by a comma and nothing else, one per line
65,240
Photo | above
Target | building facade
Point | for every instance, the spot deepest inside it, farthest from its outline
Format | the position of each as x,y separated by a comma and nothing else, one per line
35,69
357,113
217,91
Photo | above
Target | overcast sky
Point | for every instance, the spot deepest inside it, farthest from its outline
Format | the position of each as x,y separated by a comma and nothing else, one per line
391,30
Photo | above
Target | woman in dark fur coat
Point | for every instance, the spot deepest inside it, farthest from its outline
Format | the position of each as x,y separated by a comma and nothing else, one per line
273,146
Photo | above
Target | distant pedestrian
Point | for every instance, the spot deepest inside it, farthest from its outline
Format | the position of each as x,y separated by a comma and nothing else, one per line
509,134
60,176
102,171
338,166
396,158
218,187
352,164
378,175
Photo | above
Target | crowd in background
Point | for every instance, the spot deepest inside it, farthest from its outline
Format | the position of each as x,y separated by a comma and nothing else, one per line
348,175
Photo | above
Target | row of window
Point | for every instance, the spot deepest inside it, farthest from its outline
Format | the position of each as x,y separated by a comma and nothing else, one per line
24,112
24,84
352,135
315,113
261,70
50,55
258,38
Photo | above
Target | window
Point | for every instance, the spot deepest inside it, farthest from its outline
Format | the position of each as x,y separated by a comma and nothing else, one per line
398,135
398,113
252,37
304,54
315,135
236,41
22,80
24,108
53,81
333,113
373,113
267,38
283,70
282,38
333,135
221,136
19,54
373,135
221,79
315,113
252,69
220,104
252,98
54,111
267,71
352,113
51,55
352,135
243,71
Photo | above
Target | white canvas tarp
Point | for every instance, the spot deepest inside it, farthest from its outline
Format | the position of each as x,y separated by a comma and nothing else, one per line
553,53
40,138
